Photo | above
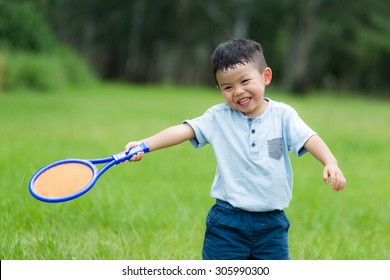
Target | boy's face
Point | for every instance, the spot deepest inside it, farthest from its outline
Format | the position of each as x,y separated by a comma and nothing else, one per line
243,88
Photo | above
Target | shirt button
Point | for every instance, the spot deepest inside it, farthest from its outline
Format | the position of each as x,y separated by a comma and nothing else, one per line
253,144
253,131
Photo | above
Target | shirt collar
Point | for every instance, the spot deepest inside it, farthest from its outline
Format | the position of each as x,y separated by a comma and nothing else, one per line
260,118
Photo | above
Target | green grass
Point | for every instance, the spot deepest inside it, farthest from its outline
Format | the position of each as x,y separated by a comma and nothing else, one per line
156,209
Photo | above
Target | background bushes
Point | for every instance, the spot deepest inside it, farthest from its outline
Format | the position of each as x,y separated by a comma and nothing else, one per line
30,57
43,71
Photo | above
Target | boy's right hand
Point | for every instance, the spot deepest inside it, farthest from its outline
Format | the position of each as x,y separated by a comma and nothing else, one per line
136,157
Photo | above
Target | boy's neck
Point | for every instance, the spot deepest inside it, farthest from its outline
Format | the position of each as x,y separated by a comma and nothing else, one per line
261,111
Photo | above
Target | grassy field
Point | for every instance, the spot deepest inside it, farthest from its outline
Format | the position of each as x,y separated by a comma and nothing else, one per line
156,209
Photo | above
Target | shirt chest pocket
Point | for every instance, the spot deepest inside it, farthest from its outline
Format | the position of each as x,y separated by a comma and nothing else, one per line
275,148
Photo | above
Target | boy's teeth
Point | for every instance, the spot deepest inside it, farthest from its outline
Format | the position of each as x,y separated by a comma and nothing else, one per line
243,100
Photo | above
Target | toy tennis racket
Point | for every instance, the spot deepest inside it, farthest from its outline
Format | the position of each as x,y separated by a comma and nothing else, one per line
70,178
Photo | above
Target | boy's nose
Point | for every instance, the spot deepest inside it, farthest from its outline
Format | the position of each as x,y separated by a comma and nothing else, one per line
239,91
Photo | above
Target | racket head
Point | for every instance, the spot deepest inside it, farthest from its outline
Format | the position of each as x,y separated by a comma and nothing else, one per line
63,180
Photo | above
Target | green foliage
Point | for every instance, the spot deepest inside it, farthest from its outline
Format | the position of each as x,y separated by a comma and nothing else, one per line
29,54
352,46
42,71
309,44
22,27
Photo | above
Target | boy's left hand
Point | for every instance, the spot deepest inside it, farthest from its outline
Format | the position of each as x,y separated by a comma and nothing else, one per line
337,179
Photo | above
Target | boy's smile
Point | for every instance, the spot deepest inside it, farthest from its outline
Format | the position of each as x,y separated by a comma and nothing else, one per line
244,101
243,88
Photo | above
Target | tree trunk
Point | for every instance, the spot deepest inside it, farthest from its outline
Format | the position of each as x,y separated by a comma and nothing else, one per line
296,73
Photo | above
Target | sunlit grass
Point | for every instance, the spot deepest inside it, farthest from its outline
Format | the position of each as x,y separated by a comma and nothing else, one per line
156,209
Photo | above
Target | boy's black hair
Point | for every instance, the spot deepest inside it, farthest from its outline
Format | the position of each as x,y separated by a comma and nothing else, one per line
235,52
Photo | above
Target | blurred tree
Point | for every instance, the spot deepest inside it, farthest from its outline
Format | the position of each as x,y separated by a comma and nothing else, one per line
22,27
30,56
352,46
302,31
308,43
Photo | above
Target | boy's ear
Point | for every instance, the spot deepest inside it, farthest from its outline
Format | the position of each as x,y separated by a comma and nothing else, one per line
267,76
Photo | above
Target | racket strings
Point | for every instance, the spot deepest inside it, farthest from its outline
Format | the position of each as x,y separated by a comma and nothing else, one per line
63,180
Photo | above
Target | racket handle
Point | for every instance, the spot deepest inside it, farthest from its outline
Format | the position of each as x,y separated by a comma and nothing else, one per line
123,156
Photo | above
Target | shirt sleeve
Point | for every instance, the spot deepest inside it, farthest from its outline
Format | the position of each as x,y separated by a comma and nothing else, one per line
204,129
299,133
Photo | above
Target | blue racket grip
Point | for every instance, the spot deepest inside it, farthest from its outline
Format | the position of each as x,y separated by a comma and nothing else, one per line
123,156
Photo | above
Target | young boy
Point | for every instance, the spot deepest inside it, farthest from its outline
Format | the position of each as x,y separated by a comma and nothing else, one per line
251,136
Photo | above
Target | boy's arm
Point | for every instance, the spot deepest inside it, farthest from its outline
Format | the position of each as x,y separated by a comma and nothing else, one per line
317,147
168,137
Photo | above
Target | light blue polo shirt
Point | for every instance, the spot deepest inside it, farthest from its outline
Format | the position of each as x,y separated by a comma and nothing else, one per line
254,171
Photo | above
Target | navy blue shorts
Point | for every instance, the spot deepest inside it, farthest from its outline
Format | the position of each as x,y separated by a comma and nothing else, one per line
235,234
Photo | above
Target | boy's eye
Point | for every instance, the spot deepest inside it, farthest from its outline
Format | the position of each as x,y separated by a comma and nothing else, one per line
227,88
245,81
